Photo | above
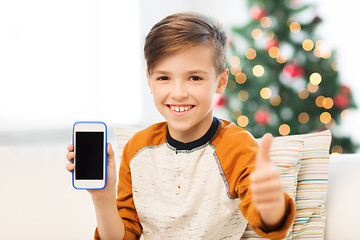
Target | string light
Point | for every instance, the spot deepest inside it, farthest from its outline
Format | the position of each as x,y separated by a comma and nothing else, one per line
303,93
270,35
265,22
242,121
312,88
331,124
319,101
308,45
275,100
250,54
243,95
303,117
284,129
295,27
315,78
321,50
345,114
325,117
281,59
235,70
328,103
240,78
337,149
256,33
265,93
274,52
234,61
258,70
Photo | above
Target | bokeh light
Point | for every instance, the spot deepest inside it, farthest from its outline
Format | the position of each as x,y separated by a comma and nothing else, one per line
303,93
325,117
242,121
303,117
308,45
265,22
250,54
328,103
315,78
265,93
256,33
319,101
274,52
337,149
240,78
312,88
258,70
275,100
235,70
284,129
234,61
243,95
295,27
345,114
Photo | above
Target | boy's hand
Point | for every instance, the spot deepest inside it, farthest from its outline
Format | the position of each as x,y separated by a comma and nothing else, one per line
110,190
266,187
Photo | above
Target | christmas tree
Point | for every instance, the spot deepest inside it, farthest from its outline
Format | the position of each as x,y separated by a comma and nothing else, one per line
284,79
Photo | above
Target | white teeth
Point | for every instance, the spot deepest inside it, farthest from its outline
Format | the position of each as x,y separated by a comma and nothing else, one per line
180,109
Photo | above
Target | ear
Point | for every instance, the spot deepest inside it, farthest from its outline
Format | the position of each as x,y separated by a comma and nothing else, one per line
223,81
148,80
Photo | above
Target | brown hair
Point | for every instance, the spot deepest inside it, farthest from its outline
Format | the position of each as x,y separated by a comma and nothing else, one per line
183,30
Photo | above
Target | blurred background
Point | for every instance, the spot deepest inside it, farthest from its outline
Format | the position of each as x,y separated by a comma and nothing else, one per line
71,60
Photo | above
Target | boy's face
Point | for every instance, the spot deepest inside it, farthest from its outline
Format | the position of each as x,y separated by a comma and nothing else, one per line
183,86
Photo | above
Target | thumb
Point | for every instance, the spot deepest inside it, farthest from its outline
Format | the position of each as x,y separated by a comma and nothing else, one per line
263,157
110,155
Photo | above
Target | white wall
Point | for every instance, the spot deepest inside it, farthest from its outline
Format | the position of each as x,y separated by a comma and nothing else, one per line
62,61
68,60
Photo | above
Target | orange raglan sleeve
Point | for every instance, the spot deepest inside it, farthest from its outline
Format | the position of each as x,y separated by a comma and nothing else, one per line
238,149
124,200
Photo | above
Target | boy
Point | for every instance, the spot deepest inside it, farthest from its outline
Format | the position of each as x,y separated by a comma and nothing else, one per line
193,176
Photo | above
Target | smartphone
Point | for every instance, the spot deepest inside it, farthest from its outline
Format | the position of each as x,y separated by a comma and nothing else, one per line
90,141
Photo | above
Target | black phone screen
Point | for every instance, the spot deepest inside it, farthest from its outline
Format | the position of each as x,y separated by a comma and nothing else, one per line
89,155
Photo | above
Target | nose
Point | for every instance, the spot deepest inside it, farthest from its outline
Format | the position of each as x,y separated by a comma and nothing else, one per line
179,90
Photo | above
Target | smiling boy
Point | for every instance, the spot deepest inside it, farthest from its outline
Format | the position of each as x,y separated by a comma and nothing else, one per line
194,176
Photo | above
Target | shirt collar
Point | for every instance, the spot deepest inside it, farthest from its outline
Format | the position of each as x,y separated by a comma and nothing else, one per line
197,143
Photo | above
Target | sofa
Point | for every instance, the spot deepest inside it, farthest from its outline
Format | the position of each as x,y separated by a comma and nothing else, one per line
314,179
343,194
39,202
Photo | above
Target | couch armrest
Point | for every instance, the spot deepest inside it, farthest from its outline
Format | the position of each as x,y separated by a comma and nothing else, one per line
343,208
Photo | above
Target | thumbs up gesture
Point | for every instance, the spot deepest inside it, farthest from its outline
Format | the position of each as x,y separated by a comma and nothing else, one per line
266,188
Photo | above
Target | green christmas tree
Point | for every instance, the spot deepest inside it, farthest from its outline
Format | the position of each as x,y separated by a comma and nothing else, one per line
284,79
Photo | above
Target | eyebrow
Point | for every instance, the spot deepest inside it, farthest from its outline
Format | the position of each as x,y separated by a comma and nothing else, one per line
189,72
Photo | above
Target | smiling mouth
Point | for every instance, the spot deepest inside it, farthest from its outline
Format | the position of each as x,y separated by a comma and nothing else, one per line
182,108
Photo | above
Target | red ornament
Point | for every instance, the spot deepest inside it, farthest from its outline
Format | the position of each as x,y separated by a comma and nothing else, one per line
262,117
219,100
272,43
257,13
341,100
293,70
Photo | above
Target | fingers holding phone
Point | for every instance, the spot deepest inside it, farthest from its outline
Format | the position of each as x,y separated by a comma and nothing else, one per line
70,157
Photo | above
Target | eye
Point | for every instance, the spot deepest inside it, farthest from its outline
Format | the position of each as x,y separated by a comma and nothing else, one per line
195,78
163,78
